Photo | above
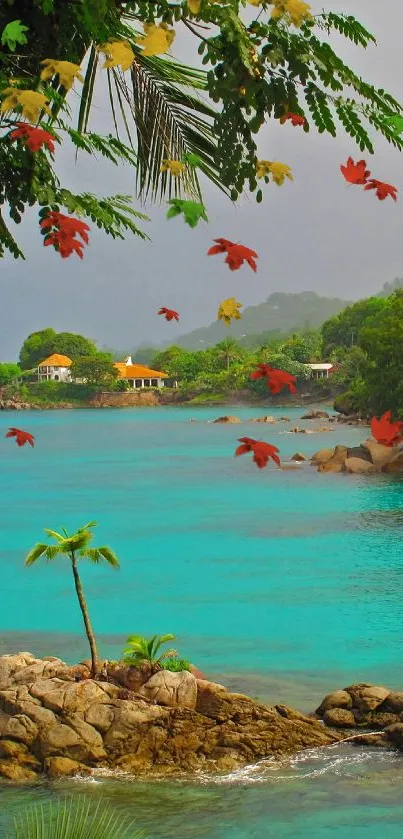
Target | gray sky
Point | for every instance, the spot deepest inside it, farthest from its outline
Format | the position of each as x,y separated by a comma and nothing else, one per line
316,233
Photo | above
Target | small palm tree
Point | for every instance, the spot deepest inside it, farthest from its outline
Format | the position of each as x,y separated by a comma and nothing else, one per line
142,649
229,350
75,547
72,820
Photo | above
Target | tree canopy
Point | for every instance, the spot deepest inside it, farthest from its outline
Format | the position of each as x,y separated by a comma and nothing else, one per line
42,344
344,329
94,370
280,63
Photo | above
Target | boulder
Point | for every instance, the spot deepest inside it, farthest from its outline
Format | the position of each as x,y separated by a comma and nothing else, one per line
361,452
339,718
299,457
356,466
393,702
297,430
228,419
395,465
322,428
367,697
380,455
322,456
171,689
64,767
267,419
314,414
284,419
394,734
332,465
337,699
129,677
12,771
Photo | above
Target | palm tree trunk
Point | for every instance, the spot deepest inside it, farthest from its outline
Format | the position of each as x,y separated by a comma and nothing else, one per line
87,623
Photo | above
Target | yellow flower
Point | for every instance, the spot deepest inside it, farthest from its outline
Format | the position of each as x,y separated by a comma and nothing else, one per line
118,54
156,39
229,310
175,167
296,10
278,171
66,70
31,103
194,6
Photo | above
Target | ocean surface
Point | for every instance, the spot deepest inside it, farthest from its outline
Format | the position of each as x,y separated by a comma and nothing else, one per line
282,584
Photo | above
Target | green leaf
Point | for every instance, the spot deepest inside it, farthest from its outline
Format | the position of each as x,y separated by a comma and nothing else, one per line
192,211
191,159
13,34
396,123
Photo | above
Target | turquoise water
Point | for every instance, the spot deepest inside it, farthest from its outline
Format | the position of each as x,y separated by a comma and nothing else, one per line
281,584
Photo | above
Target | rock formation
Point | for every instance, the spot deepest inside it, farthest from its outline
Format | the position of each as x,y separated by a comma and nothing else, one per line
363,707
54,719
369,457
228,419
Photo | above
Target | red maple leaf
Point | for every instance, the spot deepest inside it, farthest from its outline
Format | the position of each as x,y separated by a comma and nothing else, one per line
21,437
355,173
386,432
261,451
60,231
236,254
295,119
170,314
34,137
382,189
276,379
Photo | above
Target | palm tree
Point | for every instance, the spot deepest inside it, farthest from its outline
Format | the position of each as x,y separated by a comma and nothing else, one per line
229,350
76,546
73,819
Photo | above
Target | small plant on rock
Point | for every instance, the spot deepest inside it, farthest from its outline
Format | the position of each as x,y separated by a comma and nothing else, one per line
141,649
175,665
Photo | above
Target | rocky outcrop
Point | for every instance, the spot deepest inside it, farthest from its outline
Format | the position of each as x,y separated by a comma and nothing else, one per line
228,419
270,420
365,707
299,457
367,458
56,720
314,414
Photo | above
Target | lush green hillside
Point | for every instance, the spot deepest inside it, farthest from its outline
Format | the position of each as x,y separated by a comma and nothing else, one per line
280,313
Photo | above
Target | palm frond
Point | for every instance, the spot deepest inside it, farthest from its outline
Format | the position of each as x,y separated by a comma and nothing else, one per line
73,820
54,535
109,556
35,553
96,555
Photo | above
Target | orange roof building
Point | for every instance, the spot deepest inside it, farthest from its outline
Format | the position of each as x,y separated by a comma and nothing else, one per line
56,367
138,375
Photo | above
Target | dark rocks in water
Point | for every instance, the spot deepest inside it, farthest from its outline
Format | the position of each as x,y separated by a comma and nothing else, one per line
228,419
52,724
365,706
361,452
314,414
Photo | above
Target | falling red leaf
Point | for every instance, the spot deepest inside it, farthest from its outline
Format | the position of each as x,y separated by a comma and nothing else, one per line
170,314
276,379
386,432
355,173
295,119
261,451
34,137
236,254
21,437
60,231
383,190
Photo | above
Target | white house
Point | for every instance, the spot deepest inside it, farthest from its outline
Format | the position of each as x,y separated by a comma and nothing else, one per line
56,368
138,375
320,371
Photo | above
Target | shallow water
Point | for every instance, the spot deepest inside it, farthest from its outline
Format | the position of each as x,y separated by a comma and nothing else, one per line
281,584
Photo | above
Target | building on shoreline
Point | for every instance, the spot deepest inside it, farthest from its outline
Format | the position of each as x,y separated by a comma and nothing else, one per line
138,376
320,371
57,369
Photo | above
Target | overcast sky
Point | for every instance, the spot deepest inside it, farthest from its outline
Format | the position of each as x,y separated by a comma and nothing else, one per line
316,233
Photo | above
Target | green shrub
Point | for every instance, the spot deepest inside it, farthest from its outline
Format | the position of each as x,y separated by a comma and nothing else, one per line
175,665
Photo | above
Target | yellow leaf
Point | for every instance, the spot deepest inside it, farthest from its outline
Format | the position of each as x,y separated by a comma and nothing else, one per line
255,2
194,6
175,167
229,310
278,171
156,39
66,70
118,54
296,10
31,103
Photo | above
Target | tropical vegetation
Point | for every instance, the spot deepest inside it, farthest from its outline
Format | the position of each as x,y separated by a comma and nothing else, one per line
259,64
75,547
142,650
74,818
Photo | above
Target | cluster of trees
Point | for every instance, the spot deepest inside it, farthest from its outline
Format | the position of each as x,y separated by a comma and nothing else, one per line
366,339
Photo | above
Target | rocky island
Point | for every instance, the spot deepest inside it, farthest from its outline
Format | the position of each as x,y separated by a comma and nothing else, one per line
56,720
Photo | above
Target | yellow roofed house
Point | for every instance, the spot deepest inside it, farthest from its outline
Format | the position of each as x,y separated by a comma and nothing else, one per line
56,367
138,376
